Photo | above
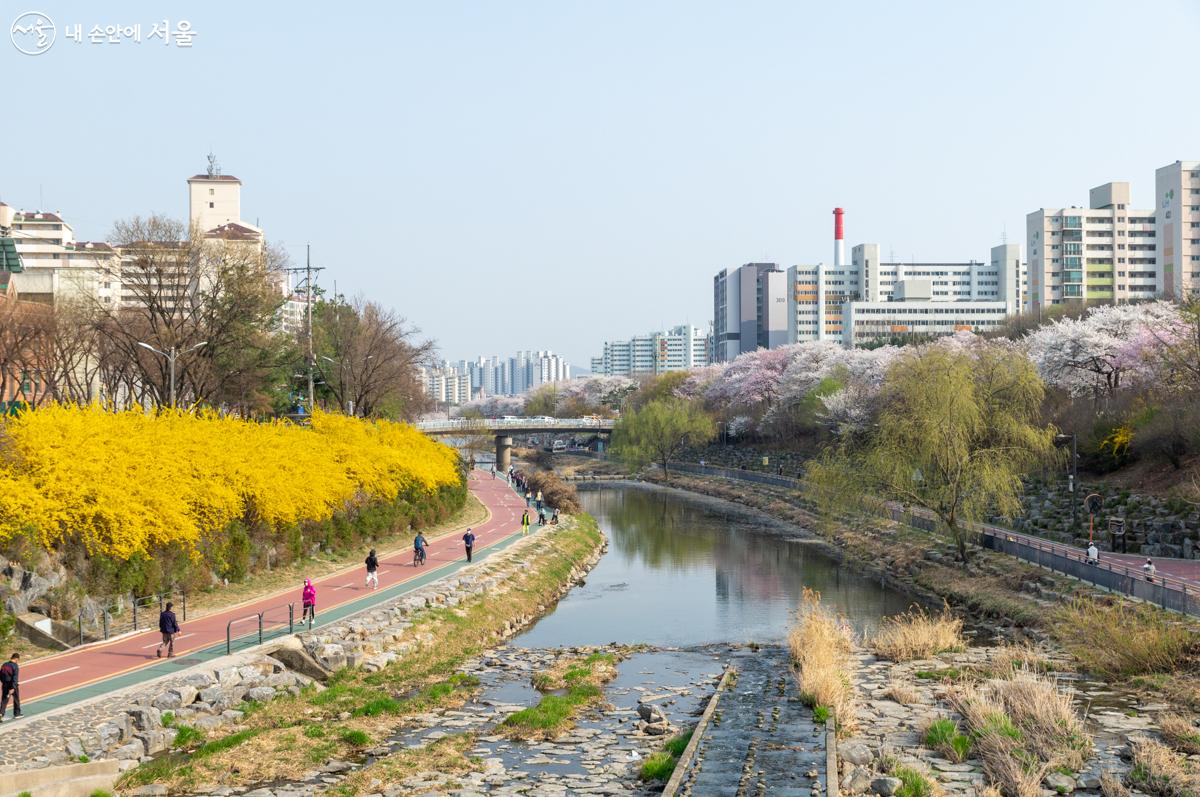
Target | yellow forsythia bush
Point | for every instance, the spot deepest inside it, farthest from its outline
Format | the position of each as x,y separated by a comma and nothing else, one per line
128,483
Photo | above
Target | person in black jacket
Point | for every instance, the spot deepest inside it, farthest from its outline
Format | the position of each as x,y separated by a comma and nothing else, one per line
168,626
10,676
372,563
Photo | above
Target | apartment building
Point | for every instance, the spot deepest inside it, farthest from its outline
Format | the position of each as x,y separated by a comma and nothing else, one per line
1177,215
1106,252
676,349
749,310
464,380
58,268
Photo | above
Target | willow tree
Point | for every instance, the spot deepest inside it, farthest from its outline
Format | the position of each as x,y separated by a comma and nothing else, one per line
957,430
660,431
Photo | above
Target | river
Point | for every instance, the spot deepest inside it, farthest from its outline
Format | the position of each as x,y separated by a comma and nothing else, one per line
686,570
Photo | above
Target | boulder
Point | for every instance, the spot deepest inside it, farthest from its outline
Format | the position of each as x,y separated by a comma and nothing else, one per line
886,787
132,751
651,713
229,676
332,656
200,680
156,741
145,718
856,781
1063,784
208,723
260,694
856,753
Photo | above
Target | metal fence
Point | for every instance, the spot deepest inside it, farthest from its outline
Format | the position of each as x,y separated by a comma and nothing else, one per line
139,614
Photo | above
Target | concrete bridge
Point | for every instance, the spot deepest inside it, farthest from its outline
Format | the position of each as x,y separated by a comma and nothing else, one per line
504,428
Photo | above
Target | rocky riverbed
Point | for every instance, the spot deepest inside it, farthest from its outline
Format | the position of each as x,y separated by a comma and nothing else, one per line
897,701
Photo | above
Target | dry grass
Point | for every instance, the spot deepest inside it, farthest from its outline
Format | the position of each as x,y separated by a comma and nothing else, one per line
1120,640
1180,732
445,756
1010,658
820,645
902,692
1159,770
1023,726
286,741
1112,786
918,635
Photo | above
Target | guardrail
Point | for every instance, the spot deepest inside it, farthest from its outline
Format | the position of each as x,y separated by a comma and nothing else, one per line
479,425
113,618
229,630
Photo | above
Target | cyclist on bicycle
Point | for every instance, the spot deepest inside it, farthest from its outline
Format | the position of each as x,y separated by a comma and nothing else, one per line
419,549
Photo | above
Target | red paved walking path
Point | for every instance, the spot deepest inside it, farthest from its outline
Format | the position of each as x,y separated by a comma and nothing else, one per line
97,662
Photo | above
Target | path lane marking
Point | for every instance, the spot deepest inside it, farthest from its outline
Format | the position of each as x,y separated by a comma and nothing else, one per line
47,675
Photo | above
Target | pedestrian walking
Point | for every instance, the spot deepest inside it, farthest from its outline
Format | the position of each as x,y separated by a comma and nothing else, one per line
168,626
528,497
493,471
1149,569
525,523
539,499
554,520
1093,554
308,598
10,677
541,517
372,563
469,543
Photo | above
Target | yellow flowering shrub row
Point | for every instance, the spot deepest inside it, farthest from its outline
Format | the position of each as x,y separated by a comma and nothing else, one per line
127,483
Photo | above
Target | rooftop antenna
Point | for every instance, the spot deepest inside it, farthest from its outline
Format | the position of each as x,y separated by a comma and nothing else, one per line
1004,234
214,168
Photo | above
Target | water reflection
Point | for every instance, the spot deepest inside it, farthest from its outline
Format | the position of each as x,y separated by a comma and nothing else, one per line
681,571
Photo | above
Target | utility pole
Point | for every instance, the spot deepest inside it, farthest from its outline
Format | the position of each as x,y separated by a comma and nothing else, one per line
310,359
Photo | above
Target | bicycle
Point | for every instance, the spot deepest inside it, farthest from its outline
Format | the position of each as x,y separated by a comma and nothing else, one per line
418,557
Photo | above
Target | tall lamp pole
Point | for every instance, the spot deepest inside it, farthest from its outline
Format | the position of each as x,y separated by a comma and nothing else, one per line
1073,474
171,356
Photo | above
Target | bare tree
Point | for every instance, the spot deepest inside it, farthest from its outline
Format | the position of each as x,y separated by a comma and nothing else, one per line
368,356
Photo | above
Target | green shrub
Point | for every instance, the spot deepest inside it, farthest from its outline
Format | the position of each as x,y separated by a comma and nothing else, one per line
354,737
821,714
187,736
912,783
658,766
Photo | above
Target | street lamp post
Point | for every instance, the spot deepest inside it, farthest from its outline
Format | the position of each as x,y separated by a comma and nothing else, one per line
1072,475
171,357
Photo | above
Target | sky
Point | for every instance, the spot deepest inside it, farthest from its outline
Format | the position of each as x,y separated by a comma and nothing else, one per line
549,175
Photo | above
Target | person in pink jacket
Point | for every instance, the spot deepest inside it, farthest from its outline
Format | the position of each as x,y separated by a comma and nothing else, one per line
309,598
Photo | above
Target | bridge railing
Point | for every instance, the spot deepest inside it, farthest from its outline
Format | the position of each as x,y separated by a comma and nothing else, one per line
479,425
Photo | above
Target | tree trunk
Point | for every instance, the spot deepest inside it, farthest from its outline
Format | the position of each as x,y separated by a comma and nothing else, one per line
960,539
666,473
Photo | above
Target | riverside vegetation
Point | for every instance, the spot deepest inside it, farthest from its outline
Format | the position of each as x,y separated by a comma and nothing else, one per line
129,502
357,708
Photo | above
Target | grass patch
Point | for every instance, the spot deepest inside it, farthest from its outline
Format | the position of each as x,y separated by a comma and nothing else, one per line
1122,639
821,714
354,738
913,782
424,679
1022,726
186,736
447,756
661,765
83,759
1160,771
943,735
820,646
101,793
917,635
168,719
226,743
658,766
901,692
578,680
1180,733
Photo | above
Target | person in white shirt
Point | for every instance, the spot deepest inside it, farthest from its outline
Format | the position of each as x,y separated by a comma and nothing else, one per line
1149,569
1093,554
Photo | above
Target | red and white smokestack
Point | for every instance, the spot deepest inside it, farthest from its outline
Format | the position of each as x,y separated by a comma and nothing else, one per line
839,245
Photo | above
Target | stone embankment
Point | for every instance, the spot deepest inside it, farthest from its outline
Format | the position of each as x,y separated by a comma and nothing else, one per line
135,724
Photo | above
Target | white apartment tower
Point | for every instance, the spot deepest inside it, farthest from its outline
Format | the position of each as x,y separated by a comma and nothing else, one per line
1177,209
1106,252
676,349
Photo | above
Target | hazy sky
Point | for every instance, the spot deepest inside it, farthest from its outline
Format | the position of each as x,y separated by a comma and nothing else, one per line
515,175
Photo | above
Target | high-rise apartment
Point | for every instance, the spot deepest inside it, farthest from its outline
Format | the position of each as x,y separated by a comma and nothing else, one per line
56,266
1106,252
676,349
1177,213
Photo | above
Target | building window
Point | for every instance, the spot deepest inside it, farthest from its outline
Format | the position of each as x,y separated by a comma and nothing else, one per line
210,204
